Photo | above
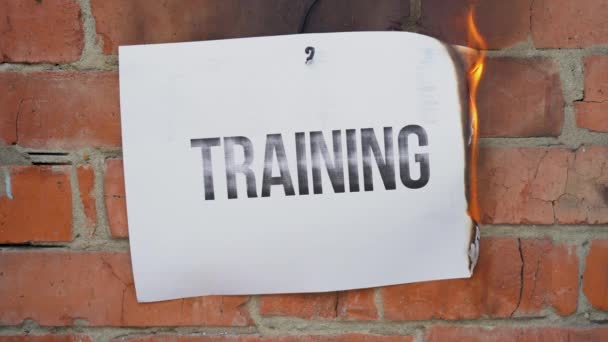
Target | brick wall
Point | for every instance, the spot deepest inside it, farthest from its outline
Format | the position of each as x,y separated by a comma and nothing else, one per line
543,271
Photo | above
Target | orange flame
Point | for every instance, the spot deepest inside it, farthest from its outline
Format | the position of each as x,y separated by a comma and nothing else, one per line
474,40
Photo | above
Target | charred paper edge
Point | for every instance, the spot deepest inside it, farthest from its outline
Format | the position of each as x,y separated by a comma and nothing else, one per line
460,68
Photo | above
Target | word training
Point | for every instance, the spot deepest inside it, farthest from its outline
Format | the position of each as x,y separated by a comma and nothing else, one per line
275,156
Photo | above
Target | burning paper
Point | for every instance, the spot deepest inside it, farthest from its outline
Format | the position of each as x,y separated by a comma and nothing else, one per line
251,170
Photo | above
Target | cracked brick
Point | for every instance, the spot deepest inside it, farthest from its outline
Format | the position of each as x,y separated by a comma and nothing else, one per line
543,185
586,188
115,198
497,289
59,109
550,277
57,288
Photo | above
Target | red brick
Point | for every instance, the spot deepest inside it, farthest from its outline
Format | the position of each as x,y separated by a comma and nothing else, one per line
497,288
349,305
86,185
307,305
40,31
517,334
45,338
543,185
358,15
595,278
35,204
253,338
520,185
115,198
592,112
592,116
139,21
550,277
569,24
585,198
12,86
520,97
60,110
596,78
57,288
501,23
357,305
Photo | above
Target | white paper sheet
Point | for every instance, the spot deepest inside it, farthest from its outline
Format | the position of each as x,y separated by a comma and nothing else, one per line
184,245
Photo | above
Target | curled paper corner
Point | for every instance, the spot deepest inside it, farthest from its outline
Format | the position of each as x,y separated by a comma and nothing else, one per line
474,248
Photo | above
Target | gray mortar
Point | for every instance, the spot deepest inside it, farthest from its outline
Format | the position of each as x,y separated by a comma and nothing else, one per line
281,326
13,155
379,304
92,59
99,238
92,54
411,23
78,216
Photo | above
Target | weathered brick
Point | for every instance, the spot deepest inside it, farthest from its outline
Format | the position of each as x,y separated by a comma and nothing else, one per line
569,24
348,305
40,31
253,338
595,279
521,185
501,23
60,110
57,288
86,185
550,277
12,86
543,185
498,288
45,338
35,204
592,115
585,198
358,15
596,78
115,198
139,21
519,334
357,305
520,97
592,112
306,305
